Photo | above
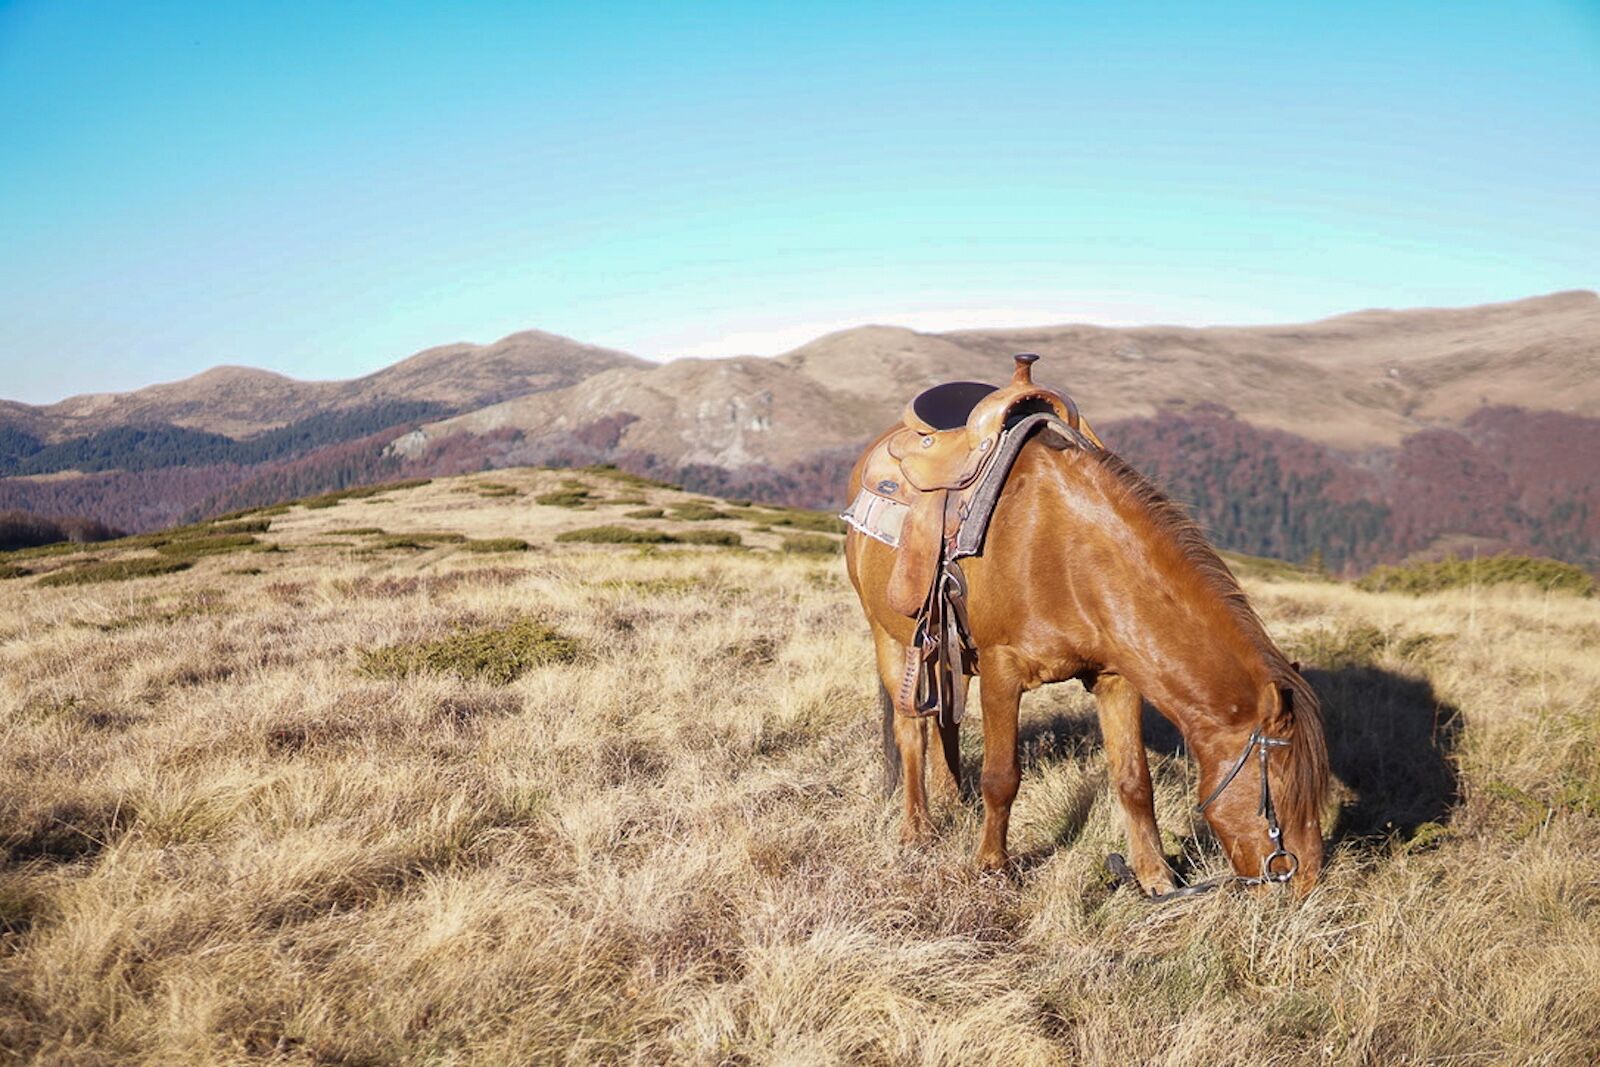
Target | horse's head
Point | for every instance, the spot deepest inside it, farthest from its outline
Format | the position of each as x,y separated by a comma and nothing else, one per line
1263,787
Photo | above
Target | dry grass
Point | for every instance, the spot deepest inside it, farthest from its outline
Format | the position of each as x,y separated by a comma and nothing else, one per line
224,843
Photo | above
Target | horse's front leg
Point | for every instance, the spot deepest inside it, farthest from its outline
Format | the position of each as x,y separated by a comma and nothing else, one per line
1120,706
1001,689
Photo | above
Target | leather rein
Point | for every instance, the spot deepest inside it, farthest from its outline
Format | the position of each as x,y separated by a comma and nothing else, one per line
1271,872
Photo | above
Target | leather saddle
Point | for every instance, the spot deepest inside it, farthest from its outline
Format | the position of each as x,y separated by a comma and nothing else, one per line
928,491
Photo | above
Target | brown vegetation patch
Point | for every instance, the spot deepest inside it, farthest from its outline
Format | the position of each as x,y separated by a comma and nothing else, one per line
496,544
1454,573
117,570
493,654
812,545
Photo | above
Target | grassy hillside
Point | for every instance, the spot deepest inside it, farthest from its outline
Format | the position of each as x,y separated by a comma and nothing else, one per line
440,774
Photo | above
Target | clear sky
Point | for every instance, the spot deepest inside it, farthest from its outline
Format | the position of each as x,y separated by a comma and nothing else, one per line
323,188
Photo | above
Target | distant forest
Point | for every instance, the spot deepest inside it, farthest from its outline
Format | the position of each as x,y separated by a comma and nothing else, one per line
156,447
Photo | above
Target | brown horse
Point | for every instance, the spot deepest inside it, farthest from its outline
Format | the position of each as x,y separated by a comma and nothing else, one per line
1090,573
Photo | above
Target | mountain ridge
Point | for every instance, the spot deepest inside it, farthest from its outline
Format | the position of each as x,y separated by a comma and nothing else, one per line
1358,438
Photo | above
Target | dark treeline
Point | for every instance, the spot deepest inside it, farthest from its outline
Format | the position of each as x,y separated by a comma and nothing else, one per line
157,447
21,529
1505,480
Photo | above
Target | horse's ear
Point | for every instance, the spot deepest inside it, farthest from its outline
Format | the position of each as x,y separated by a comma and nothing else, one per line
1276,704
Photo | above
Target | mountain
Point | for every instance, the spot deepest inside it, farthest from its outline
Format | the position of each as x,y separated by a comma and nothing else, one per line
1353,381
240,401
1353,440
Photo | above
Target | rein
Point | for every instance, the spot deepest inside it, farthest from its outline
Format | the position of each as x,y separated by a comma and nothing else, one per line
1260,743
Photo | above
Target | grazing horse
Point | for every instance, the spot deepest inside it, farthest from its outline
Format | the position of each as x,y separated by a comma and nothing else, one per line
1088,572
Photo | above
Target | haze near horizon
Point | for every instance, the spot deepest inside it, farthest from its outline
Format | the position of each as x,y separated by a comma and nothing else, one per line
320,192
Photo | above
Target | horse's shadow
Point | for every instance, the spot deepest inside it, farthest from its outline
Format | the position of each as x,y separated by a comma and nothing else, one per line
1391,745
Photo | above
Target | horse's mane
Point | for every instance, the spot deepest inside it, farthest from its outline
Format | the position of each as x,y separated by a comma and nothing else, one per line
1307,776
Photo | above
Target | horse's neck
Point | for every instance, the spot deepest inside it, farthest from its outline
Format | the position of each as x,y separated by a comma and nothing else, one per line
1171,627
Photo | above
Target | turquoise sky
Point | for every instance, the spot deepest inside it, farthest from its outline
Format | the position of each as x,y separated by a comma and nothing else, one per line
324,188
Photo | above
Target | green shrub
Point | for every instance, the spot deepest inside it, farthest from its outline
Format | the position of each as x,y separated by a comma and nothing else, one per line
1456,573
117,570
564,498
249,526
491,489
812,545
496,544
359,531
708,537
421,540
617,535
11,570
644,513
696,512
496,654
815,521
1358,645
328,500
194,547
60,548
608,470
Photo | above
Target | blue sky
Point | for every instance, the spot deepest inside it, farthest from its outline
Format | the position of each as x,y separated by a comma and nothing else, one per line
324,188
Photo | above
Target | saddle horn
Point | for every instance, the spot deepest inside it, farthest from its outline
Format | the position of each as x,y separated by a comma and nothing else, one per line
1023,375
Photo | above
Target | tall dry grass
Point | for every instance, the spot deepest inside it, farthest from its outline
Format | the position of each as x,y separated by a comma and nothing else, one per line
225,843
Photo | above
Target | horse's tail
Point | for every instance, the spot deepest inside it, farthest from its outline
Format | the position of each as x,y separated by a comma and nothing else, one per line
891,750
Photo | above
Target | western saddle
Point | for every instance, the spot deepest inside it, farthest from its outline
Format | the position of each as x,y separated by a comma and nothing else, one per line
928,491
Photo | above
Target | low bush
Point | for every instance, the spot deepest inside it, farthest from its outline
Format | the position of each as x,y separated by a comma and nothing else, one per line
248,526
607,470
496,544
617,535
1456,573
696,512
634,535
421,540
812,545
117,570
815,521
11,570
495,654
708,537
328,500
565,498
645,513
194,547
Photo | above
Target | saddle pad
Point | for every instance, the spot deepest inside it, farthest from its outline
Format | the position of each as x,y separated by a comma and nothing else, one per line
879,517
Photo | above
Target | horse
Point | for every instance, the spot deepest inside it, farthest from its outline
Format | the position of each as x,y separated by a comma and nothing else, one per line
1089,572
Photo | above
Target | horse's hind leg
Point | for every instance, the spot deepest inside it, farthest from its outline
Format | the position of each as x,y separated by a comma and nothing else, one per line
1120,707
905,742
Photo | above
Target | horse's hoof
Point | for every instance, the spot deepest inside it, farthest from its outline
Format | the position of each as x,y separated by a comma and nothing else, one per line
993,863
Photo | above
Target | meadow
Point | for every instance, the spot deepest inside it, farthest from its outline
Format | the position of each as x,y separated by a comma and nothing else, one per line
568,767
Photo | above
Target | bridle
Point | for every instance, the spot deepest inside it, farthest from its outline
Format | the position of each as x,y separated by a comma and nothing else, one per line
1270,871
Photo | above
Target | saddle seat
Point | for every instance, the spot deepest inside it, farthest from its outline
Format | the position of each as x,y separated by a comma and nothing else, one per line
928,489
